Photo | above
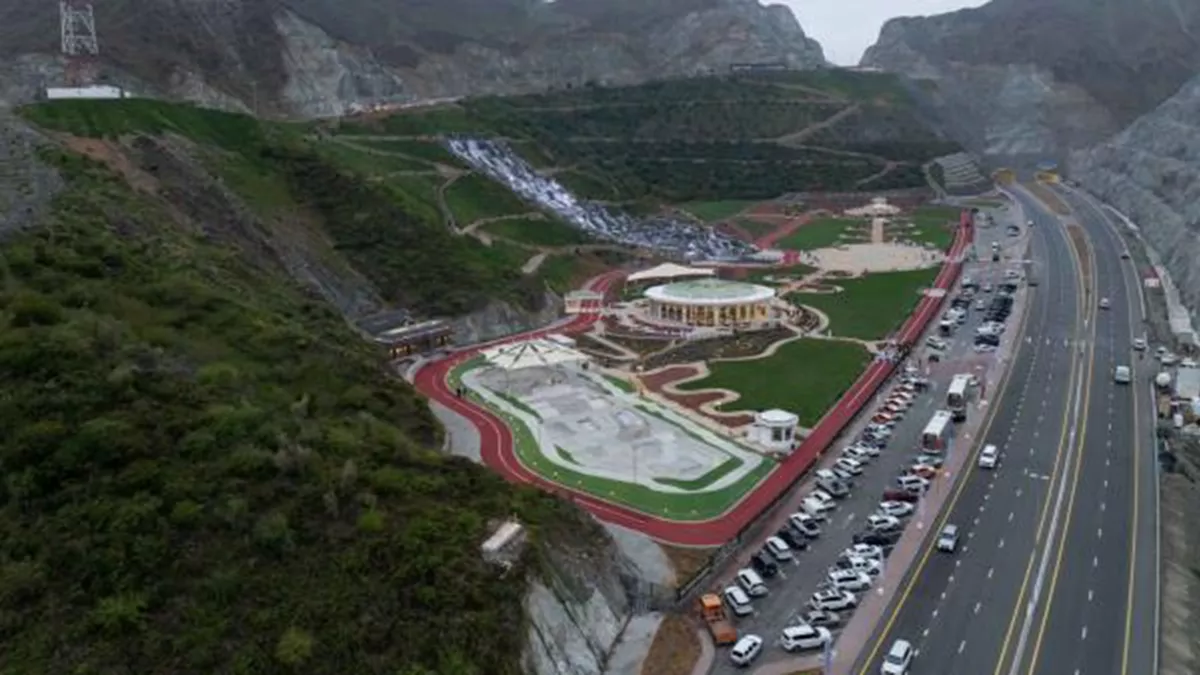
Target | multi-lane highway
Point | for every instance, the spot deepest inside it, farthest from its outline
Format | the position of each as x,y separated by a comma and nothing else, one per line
1100,611
955,608
1058,574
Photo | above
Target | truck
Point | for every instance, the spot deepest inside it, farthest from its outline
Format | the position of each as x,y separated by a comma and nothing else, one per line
719,625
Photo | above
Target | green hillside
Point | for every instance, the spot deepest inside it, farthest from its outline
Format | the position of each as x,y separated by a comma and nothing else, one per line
205,470
706,139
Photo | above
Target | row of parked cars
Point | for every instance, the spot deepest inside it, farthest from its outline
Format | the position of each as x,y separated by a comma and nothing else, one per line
856,567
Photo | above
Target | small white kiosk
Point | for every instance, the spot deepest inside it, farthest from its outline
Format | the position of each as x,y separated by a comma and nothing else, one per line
774,430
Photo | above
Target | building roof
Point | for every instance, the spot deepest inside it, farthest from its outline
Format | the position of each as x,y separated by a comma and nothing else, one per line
385,321
777,417
710,292
532,354
670,271
413,332
1187,383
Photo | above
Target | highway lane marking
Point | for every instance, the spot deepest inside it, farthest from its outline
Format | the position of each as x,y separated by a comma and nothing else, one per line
1100,533
1095,561
1062,539
1058,456
1133,516
978,605
991,570
1083,633
1090,594
1001,543
961,646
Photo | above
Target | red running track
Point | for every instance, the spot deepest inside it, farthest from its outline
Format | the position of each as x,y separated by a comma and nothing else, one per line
496,442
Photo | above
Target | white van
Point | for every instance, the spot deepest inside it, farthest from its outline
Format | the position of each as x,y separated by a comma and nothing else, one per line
750,582
746,650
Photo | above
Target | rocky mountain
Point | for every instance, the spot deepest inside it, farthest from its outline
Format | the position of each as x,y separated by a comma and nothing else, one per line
1151,172
320,57
1035,79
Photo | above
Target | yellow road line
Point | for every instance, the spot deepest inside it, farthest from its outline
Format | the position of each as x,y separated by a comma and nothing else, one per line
1137,455
997,396
1066,530
1062,442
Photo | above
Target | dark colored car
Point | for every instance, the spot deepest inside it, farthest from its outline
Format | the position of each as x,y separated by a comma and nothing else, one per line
764,565
795,541
898,495
838,489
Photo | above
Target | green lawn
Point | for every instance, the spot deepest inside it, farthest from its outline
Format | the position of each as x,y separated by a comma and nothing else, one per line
537,232
825,233
870,307
756,228
369,163
429,151
763,276
805,377
714,211
934,226
685,507
473,197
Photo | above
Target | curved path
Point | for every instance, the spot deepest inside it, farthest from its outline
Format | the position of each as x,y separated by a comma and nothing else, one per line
496,442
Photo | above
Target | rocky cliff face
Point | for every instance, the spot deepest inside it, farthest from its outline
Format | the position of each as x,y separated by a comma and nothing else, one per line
1024,80
319,57
1151,173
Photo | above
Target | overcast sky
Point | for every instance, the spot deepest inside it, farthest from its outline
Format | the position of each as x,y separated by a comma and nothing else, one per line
847,27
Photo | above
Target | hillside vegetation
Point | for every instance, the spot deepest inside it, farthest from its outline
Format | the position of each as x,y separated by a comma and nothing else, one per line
744,137
205,471
384,220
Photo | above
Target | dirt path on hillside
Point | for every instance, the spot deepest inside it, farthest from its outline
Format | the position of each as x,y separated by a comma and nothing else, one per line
887,168
532,215
782,231
800,136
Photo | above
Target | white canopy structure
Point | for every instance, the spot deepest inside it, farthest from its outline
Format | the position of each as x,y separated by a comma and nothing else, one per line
878,208
532,354
670,271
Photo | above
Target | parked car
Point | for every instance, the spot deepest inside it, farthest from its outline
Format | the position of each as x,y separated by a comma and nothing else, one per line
738,601
779,549
913,484
923,470
900,495
821,617
746,650
849,580
805,524
833,600
859,453
929,459
896,509
878,522
796,542
750,582
764,565
852,466
803,637
884,540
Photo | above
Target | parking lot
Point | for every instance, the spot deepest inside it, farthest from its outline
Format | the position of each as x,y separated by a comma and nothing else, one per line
790,589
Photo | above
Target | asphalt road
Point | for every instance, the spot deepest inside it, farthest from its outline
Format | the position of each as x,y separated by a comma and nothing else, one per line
790,592
1102,583
959,609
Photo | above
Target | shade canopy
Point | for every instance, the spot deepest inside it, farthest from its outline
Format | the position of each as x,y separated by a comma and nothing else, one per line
532,354
670,271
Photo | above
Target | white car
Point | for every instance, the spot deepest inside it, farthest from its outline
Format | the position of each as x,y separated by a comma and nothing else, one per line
857,563
914,484
980,304
1139,344
896,509
824,496
1104,304
989,457
853,467
804,636
826,474
871,450
815,508
738,601
881,523
746,650
833,600
857,453
898,659
1187,363
849,580
937,342
779,548
751,582
868,551
948,539
802,522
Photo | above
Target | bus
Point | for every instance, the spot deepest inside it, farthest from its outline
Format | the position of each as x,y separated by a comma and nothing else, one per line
958,395
936,437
